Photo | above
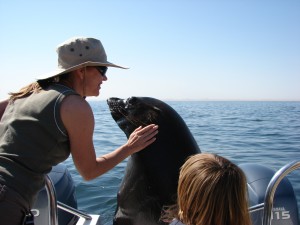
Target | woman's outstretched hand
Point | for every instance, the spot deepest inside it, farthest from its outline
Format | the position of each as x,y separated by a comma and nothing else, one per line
141,137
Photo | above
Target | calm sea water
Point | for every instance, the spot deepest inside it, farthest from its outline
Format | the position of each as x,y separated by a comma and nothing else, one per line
266,133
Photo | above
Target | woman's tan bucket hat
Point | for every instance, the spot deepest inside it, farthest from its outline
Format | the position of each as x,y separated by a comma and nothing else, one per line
79,52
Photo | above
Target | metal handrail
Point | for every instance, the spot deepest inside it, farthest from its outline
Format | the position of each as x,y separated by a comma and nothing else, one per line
73,211
269,196
256,207
52,201
53,204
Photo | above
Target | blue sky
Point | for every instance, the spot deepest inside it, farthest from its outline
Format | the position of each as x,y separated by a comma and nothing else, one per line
176,49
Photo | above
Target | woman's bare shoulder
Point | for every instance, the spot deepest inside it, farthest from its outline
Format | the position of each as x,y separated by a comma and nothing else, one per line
76,109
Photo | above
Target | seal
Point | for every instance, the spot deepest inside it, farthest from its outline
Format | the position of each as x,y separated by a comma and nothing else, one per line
151,175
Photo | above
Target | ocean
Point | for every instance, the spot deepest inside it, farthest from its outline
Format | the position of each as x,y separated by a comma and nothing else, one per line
266,133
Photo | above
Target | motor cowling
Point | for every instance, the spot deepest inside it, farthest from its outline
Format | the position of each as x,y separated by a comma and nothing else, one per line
285,209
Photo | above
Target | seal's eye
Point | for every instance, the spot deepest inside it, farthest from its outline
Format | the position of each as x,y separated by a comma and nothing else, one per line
132,101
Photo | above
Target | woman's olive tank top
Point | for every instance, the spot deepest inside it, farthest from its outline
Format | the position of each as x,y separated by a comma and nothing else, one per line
32,140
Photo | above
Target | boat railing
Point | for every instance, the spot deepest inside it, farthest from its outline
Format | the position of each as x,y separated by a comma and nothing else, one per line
271,189
256,207
54,205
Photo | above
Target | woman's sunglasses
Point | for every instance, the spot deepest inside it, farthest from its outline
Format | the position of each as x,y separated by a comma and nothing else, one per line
102,70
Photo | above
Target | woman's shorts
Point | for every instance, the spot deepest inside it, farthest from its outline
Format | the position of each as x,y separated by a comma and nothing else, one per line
13,207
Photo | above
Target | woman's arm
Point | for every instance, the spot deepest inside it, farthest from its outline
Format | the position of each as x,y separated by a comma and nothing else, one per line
78,119
3,105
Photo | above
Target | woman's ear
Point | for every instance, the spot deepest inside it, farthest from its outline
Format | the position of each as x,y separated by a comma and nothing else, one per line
80,72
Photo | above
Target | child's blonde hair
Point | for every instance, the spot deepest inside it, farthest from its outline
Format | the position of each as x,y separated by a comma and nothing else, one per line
212,191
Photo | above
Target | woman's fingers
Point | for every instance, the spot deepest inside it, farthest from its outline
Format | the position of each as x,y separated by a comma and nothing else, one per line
142,137
150,129
149,134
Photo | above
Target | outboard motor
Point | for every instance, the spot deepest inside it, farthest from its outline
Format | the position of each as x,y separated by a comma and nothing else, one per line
285,209
65,193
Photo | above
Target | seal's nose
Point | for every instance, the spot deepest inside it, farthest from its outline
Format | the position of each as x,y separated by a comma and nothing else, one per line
115,102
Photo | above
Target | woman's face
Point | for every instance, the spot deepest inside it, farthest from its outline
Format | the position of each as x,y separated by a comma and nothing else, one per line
93,81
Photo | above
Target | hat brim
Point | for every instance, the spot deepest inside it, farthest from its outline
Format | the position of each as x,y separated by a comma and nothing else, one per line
61,71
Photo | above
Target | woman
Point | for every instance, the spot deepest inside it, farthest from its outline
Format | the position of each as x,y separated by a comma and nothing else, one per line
46,121
211,191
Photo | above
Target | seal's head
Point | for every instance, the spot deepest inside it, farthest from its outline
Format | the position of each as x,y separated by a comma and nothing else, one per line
136,111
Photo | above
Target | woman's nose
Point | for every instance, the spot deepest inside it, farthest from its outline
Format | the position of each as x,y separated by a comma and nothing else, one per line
104,77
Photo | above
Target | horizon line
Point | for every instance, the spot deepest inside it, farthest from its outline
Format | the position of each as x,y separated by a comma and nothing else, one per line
209,100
